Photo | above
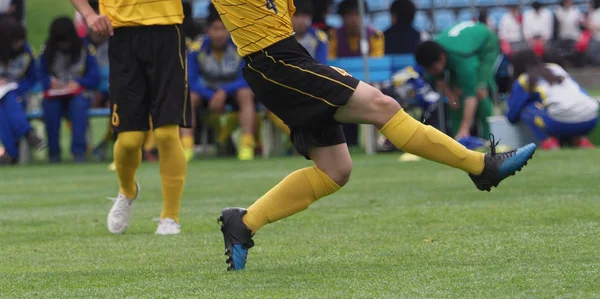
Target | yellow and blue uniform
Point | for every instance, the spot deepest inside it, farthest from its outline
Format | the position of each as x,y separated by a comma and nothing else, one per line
560,110
342,45
85,72
209,71
132,13
315,42
22,71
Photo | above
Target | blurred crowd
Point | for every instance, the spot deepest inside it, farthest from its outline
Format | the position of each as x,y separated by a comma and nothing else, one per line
72,70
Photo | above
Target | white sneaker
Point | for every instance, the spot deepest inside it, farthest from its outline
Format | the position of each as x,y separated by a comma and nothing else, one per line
118,217
168,226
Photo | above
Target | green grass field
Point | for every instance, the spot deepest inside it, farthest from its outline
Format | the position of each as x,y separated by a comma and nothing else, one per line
40,14
397,230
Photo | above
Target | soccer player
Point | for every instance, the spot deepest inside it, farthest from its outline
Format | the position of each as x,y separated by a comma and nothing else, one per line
468,51
147,57
314,99
215,74
550,102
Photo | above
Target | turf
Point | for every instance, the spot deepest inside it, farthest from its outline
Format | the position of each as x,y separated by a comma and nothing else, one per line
397,230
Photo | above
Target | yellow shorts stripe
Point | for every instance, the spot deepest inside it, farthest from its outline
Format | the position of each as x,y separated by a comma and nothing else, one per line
291,88
309,72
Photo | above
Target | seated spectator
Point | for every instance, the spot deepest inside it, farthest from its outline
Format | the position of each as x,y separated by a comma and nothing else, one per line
311,38
320,11
17,76
510,31
402,37
345,41
215,76
538,26
569,21
593,25
67,69
550,102
7,7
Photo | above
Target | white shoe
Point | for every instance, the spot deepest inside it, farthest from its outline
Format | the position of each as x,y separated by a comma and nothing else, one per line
118,217
168,226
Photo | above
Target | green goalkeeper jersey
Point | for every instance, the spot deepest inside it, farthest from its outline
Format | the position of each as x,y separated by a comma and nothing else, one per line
472,50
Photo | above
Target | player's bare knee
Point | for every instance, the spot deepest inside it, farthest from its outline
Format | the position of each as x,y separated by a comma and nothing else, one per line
340,174
385,108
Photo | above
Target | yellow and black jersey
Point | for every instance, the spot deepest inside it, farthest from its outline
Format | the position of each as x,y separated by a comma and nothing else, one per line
256,24
130,13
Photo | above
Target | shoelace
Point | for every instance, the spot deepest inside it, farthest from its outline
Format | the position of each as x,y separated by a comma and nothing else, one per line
496,155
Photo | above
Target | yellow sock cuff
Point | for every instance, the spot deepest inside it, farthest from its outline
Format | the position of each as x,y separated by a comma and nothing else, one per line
187,142
248,141
320,182
402,127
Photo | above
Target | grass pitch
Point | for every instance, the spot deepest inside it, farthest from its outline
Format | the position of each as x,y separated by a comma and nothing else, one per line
397,230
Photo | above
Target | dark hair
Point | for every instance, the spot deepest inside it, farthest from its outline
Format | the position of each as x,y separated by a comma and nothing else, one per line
349,5
526,62
596,4
212,10
483,16
404,11
320,9
10,32
213,18
428,53
304,7
536,5
62,30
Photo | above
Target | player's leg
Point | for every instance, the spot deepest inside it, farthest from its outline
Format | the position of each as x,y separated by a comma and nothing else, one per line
7,137
53,111
369,105
293,194
170,109
78,107
187,134
247,118
129,118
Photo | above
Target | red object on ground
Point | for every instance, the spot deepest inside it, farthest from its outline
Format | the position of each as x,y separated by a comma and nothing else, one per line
583,42
584,142
550,144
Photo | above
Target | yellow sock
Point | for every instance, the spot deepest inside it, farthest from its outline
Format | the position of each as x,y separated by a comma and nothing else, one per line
231,123
172,169
413,137
248,141
188,142
278,122
295,193
127,160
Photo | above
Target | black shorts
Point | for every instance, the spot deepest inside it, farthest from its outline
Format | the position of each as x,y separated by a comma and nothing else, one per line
304,93
148,77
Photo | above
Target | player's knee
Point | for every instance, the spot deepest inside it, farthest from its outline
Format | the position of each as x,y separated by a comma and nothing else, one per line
130,141
385,108
166,135
340,174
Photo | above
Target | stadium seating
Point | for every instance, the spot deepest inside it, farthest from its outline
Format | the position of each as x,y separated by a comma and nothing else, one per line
444,19
379,68
466,14
422,21
382,21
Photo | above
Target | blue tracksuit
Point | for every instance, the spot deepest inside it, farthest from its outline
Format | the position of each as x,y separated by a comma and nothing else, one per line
560,110
86,73
315,42
208,72
13,122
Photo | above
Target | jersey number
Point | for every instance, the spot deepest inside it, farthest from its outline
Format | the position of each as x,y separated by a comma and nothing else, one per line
271,6
455,31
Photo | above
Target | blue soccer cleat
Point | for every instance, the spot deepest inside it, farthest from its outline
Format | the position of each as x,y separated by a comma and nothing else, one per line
237,237
499,166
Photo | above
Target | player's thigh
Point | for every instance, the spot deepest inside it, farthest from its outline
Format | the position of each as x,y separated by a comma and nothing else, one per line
166,70
301,92
128,87
368,105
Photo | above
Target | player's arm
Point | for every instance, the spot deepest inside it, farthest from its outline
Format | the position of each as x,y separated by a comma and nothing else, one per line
322,47
30,77
467,81
377,45
239,83
194,77
91,76
98,23
44,73
518,99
